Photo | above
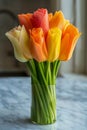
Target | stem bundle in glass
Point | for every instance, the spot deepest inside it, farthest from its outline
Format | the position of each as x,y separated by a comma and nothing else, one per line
43,81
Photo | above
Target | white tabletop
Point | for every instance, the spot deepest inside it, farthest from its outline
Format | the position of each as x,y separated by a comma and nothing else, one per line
15,103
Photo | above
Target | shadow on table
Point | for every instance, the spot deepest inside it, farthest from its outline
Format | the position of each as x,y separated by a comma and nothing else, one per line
26,123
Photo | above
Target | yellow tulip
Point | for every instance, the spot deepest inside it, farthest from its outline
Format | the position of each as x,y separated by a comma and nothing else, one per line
20,41
53,43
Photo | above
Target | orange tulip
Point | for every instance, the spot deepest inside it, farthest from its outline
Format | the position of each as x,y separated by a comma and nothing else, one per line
68,42
40,19
50,16
37,44
24,19
57,20
67,23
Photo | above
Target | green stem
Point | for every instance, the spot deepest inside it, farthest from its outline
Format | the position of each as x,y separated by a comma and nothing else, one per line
34,77
38,103
48,72
57,67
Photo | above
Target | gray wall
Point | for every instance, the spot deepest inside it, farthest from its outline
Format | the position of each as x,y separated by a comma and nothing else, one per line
75,11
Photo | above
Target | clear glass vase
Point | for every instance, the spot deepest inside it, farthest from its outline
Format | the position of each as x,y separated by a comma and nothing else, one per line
43,83
43,109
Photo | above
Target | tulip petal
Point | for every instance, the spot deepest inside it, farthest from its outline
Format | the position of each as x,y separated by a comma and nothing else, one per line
24,19
50,16
37,44
20,41
25,43
57,20
17,49
53,43
66,24
40,19
68,43
64,48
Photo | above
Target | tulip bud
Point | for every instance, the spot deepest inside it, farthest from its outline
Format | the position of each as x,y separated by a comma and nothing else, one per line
53,43
68,42
20,41
57,20
38,45
40,20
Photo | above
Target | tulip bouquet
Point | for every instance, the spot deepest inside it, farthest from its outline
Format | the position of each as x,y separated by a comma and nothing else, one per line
42,40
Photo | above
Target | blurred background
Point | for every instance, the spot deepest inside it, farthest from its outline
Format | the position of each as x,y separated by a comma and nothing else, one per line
74,10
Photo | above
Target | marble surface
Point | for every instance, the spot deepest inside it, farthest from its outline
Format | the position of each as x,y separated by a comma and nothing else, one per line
15,103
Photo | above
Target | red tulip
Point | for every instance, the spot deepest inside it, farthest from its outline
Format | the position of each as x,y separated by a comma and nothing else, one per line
40,19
